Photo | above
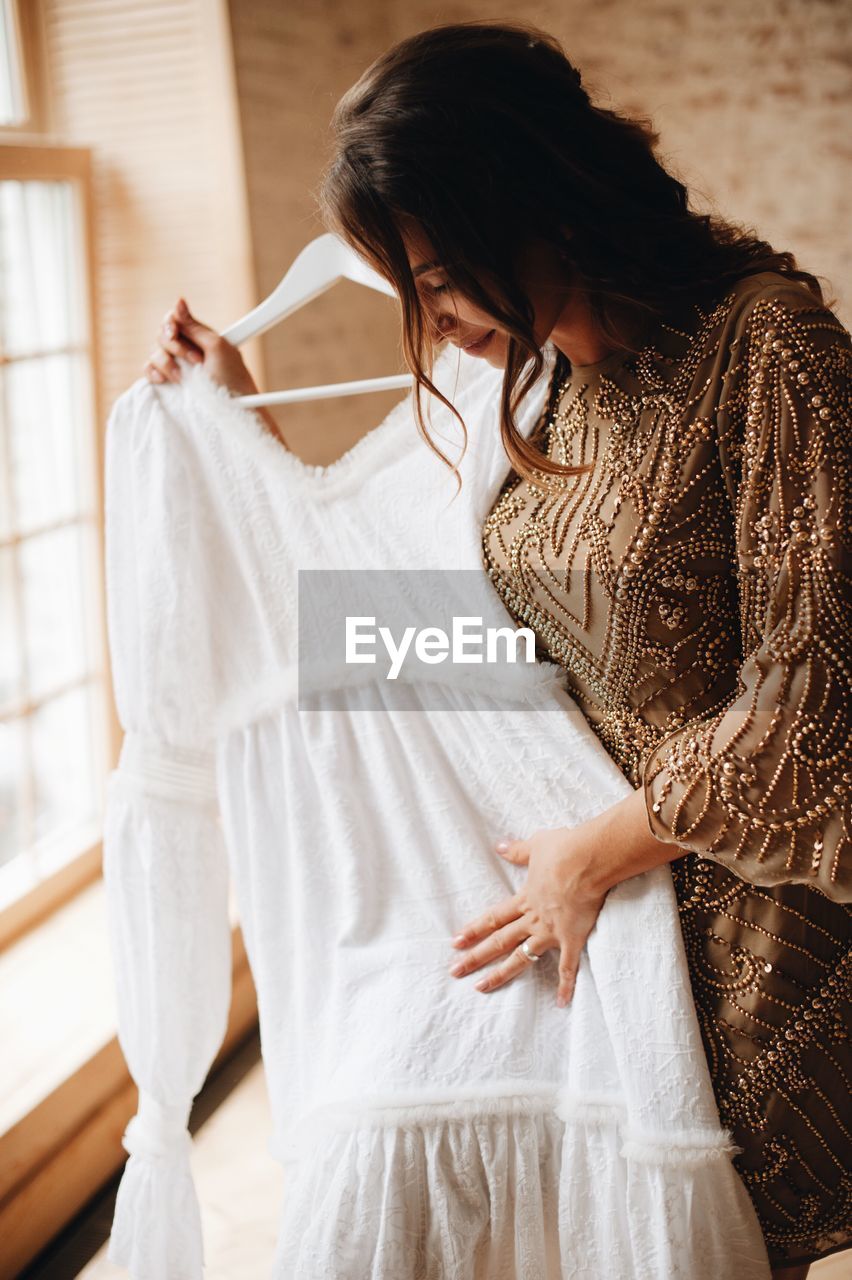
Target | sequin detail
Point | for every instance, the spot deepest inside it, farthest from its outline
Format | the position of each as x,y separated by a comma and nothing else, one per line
695,586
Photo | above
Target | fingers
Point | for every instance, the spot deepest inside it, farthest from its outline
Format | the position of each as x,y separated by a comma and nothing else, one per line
516,964
501,941
181,346
509,939
517,851
503,913
569,963
201,334
162,365
158,367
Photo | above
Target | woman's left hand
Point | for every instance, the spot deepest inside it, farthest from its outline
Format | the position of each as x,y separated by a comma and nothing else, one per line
557,908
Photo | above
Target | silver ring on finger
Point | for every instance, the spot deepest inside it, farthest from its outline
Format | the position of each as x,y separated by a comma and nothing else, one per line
525,949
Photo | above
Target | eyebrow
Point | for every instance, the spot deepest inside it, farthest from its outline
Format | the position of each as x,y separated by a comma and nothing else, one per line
425,266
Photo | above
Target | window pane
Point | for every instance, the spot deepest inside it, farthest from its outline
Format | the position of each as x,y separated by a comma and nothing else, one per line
39,267
58,607
6,519
49,414
11,686
14,835
53,689
64,753
12,106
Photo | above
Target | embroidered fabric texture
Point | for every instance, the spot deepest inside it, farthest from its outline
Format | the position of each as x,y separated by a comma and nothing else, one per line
429,1131
695,587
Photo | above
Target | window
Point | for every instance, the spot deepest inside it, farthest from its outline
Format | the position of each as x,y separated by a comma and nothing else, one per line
13,105
54,703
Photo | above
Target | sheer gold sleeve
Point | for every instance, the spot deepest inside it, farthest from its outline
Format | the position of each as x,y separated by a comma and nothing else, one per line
762,786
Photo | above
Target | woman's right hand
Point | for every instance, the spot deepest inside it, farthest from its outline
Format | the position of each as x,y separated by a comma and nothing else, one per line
182,335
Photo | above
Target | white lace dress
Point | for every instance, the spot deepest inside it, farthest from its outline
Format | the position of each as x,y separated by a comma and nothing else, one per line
428,1130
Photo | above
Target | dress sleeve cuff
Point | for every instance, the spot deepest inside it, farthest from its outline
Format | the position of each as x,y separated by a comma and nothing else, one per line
156,1230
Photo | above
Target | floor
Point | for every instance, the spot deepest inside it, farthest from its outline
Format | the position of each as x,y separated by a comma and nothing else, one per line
239,1203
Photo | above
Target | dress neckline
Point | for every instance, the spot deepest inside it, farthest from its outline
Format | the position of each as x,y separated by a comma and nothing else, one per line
601,366
644,333
381,443
389,440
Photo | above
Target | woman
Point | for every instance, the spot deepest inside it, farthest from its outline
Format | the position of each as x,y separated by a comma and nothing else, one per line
675,532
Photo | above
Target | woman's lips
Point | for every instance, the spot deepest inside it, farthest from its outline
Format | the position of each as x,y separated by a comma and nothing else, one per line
474,348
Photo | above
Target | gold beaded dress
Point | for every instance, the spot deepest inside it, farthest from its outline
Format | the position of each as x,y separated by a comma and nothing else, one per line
695,586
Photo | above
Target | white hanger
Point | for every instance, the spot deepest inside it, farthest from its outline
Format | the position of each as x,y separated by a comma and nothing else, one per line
321,264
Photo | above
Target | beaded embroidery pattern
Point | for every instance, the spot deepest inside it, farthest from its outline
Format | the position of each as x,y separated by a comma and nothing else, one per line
695,586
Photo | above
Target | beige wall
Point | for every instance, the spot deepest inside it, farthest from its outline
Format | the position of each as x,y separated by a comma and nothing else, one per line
208,121
149,88
292,61
751,98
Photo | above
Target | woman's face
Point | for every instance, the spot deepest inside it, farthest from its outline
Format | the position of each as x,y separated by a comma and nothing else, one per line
453,316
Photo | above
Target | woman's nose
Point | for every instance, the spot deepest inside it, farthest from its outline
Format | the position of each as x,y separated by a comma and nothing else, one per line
444,325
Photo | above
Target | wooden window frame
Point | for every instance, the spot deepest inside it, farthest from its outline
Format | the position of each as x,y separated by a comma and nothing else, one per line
32,160
27,20
59,1153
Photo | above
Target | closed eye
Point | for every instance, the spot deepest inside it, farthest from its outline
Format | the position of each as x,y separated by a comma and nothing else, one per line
439,288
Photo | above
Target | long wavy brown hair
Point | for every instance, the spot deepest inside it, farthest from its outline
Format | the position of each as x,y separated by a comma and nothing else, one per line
482,135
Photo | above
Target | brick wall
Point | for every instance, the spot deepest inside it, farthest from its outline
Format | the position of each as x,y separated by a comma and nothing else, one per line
751,101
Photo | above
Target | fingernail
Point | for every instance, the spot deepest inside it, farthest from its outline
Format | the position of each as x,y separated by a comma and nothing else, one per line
456,970
480,986
182,307
501,846
458,939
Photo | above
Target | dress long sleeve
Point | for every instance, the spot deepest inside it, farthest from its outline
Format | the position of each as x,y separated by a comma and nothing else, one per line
164,860
762,786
